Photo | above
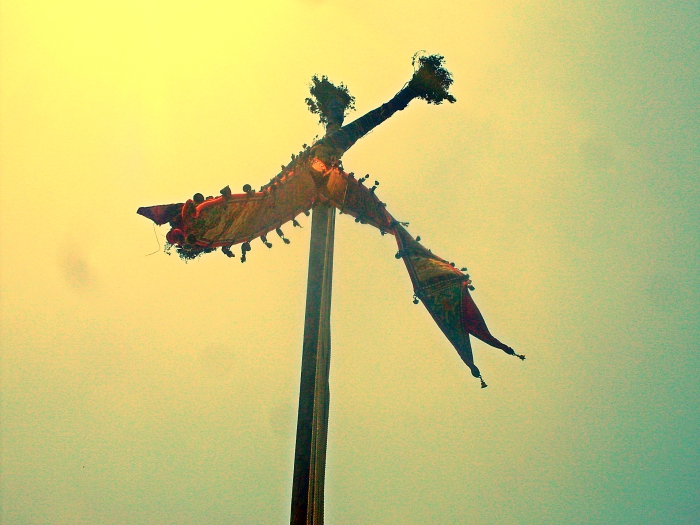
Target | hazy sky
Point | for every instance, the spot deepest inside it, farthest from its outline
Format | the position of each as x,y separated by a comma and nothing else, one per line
140,390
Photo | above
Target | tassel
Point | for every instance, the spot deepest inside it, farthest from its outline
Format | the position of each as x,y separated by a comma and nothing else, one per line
399,254
226,192
415,299
279,232
198,198
374,188
418,239
227,251
263,238
307,212
351,175
510,351
245,247
296,224
483,384
463,270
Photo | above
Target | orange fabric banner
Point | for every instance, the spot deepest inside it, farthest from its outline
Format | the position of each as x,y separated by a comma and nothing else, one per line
201,225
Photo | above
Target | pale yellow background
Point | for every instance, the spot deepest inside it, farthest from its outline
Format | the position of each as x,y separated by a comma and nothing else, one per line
142,390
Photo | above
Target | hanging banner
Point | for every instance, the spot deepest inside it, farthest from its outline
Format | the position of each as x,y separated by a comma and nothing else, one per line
200,225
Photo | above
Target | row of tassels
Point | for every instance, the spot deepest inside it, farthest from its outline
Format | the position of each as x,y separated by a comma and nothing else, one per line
245,247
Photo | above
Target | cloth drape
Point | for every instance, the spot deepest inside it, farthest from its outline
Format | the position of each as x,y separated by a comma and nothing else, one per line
316,175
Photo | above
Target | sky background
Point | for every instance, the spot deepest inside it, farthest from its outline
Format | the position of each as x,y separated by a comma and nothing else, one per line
141,390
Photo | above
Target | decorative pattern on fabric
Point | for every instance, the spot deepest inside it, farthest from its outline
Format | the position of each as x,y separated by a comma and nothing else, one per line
364,205
229,220
233,219
439,286
444,291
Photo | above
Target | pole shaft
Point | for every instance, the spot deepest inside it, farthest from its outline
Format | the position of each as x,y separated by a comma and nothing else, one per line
314,395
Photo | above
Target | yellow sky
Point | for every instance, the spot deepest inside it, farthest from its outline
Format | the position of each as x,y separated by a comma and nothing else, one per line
138,389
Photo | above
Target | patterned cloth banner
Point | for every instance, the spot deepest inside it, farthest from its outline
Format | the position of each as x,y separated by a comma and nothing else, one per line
201,225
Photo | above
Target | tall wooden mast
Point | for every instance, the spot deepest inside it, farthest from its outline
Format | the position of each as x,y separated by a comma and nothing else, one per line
314,391
314,396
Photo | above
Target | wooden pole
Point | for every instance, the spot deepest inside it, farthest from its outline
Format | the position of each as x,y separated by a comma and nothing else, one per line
314,395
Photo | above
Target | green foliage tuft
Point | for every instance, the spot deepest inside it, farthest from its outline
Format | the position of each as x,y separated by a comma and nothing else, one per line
431,81
328,101
187,252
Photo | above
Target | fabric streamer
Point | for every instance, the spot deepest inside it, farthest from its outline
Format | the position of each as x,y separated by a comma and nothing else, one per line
230,219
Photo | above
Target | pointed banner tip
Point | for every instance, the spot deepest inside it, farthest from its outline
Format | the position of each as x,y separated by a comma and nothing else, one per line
162,213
